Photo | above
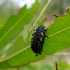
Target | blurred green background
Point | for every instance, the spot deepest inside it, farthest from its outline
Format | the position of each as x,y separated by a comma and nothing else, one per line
58,7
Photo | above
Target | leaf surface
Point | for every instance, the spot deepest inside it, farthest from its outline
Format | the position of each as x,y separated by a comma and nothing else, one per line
59,39
59,34
16,24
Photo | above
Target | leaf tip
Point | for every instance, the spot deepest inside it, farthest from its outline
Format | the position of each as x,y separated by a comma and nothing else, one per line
67,10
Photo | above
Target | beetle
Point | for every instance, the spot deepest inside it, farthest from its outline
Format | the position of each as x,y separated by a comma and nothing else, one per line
37,40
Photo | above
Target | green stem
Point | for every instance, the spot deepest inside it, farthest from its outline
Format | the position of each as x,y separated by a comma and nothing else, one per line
41,14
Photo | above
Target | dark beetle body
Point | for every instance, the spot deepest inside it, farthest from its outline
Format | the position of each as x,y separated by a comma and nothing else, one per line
38,40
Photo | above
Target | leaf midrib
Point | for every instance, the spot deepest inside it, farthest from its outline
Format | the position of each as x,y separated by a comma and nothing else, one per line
15,54
59,32
29,46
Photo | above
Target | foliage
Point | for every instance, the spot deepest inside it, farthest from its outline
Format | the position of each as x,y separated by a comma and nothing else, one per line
20,52
11,29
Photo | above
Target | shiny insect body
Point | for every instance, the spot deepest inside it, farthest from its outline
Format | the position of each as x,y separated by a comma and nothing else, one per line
37,40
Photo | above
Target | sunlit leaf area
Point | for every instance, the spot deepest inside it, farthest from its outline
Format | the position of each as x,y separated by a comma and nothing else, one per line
22,47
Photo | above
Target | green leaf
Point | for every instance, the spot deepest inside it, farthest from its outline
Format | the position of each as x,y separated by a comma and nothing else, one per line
16,24
59,39
20,53
18,50
59,34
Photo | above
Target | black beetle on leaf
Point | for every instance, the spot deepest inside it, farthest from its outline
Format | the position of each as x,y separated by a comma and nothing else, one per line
37,40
